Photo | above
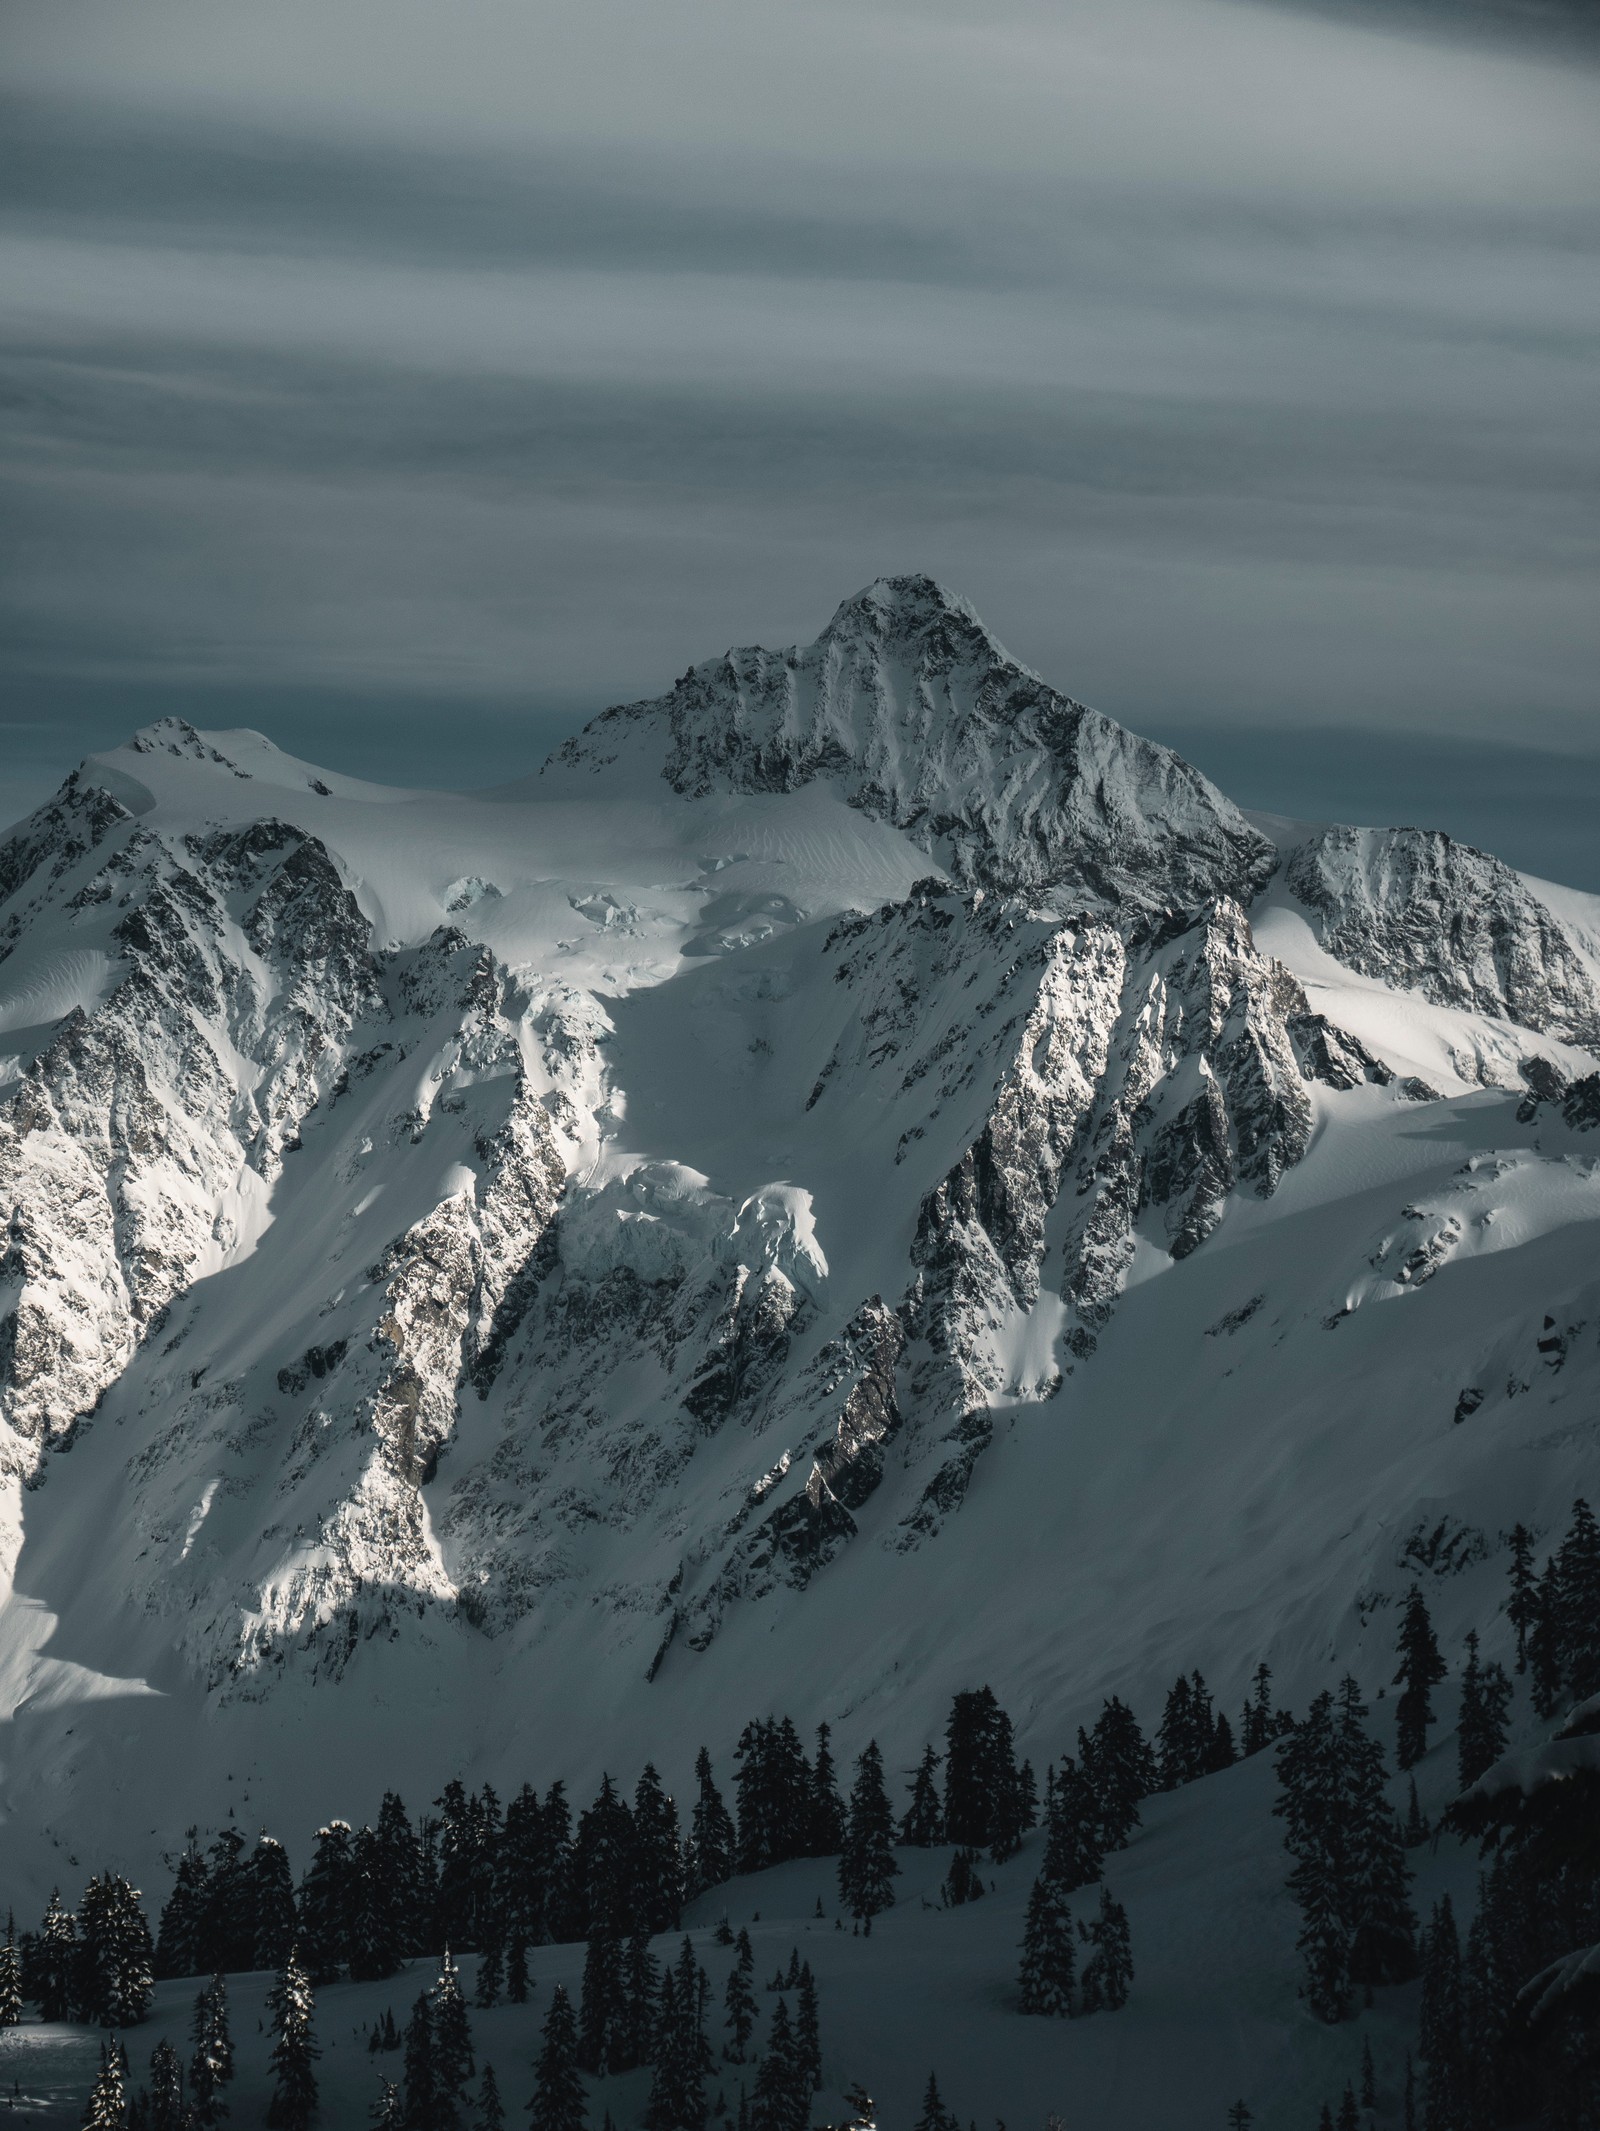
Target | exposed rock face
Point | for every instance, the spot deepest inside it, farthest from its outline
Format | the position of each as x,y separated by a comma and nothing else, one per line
239,963
912,708
1415,908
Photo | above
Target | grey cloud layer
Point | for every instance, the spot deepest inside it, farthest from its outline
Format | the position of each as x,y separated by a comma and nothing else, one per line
442,403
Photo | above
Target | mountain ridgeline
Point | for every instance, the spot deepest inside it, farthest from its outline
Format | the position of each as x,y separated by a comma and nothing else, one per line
860,1167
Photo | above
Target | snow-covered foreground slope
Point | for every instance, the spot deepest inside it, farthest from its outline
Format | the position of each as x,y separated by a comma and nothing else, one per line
861,1180
1213,2016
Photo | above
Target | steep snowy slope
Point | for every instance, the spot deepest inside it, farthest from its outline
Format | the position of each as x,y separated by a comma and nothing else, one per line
860,1179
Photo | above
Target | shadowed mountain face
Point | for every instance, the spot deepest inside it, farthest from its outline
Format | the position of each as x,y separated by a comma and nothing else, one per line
862,1165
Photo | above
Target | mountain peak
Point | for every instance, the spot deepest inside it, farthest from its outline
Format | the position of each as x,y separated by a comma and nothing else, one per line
914,714
916,609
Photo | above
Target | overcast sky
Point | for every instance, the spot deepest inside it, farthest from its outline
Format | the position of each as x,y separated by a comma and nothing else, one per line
412,380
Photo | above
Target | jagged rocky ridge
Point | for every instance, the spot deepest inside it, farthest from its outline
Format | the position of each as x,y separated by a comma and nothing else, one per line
494,1328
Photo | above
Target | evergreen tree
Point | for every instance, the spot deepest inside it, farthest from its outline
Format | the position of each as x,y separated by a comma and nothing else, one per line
272,1897
782,2099
1120,1769
602,1868
1481,1728
861,2111
58,1959
1223,1752
1522,1607
517,1971
453,2060
1188,1744
211,2066
1049,1957
867,1864
641,1985
808,2034
1311,1802
491,1972
683,2059
1378,1908
491,2109
1578,1588
1421,1670
10,1978
113,1973
178,1933
167,2109
1257,1726
774,1789
227,1935
1369,2076
935,2116
1072,1854
400,1861
658,1856
1417,1830
1441,2034
327,1904
1108,1972
963,1882
558,2101
1349,2113
711,1834
923,1825
388,2112
294,2051
457,1855
421,2071
739,2002
1545,1665
376,1932
602,2008
1240,2117
1014,1811
105,2109
980,1771
827,1808
526,1873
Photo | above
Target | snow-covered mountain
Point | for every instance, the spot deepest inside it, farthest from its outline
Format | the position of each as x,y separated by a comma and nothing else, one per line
861,1178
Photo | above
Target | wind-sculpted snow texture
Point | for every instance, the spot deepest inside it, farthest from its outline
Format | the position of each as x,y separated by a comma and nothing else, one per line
826,1177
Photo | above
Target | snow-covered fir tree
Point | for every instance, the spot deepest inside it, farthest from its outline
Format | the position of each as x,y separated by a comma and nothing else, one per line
782,2097
739,2001
1108,1971
106,2106
558,2102
1049,1954
867,1864
167,2105
10,1977
1482,1722
211,2064
327,1904
1120,1768
603,2022
711,1832
1421,1670
290,2006
923,1823
113,1973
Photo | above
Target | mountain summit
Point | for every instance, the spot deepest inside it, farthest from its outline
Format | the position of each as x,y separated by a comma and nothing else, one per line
909,708
863,1170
